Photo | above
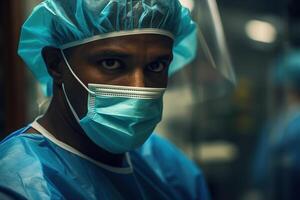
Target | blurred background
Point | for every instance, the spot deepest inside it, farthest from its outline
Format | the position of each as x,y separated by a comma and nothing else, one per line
227,135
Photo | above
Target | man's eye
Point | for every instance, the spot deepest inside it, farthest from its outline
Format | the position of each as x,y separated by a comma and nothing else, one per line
157,66
110,64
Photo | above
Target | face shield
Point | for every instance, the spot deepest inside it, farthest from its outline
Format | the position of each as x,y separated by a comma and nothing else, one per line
210,75
207,79
217,64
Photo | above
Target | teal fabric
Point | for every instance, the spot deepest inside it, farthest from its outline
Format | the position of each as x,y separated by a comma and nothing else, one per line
121,124
58,22
287,70
32,167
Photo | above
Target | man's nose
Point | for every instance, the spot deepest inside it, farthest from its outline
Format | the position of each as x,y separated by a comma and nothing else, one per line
137,78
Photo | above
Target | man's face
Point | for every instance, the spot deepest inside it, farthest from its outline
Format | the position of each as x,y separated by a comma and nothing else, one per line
136,60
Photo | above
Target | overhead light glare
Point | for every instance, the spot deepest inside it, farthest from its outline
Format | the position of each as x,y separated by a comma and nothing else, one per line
261,31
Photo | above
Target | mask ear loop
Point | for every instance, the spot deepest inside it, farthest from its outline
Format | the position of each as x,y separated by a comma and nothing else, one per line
64,90
74,75
70,105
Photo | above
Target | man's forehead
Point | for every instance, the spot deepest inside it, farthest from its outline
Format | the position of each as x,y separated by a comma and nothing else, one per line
152,43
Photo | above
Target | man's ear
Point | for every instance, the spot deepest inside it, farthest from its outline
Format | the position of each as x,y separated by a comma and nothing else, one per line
53,59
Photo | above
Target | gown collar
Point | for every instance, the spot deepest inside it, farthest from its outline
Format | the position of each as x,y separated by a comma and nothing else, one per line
120,170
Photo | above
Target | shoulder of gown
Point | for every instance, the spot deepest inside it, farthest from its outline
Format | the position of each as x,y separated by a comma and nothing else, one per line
174,167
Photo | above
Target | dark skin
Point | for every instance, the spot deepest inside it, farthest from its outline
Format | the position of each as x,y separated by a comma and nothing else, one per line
136,60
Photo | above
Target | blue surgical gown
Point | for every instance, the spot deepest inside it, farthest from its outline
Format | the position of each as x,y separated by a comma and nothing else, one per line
276,170
33,167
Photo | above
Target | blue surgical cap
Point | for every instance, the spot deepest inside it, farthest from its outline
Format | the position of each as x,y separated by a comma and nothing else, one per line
287,70
292,69
67,23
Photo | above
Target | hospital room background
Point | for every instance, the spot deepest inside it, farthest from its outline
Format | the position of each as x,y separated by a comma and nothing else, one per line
220,127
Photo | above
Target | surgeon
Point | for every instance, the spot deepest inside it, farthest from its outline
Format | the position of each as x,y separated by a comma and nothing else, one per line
276,171
106,64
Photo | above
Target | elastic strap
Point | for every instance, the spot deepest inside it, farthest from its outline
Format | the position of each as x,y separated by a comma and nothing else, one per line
119,34
73,73
70,105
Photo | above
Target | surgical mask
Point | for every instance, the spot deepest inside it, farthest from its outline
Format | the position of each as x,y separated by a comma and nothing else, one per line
119,118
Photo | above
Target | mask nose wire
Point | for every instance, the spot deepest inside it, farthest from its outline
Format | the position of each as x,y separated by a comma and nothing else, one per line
74,75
